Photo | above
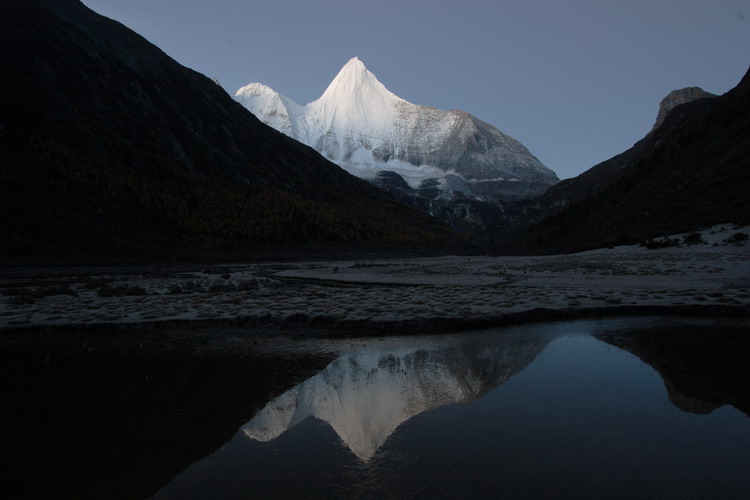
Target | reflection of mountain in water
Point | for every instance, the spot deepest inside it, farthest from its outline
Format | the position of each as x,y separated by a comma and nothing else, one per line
364,396
703,367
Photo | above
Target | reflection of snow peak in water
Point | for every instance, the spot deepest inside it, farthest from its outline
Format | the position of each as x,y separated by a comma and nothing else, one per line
365,396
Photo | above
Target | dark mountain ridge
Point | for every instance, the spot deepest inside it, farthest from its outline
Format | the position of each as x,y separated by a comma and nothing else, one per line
692,171
110,151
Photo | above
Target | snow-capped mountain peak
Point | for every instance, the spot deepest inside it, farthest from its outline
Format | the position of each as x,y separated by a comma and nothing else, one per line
353,82
272,108
365,128
356,114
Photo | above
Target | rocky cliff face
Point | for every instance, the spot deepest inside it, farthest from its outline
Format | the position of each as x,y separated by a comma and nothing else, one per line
677,97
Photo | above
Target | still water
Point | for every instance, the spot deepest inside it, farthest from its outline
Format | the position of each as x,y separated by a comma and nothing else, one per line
610,408
539,411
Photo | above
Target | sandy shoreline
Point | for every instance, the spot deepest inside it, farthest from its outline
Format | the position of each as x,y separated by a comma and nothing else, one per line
421,294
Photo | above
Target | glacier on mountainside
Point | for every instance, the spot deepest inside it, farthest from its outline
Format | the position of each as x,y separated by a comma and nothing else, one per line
363,127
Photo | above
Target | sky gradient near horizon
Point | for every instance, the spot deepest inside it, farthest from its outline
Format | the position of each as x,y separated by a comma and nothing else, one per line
576,81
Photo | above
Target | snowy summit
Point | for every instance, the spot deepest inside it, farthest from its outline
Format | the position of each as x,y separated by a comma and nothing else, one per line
363,127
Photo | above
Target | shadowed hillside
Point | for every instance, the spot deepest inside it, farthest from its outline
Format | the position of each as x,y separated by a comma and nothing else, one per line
692,171
113,152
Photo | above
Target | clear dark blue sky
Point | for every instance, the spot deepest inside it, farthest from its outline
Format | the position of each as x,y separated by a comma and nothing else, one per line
577,81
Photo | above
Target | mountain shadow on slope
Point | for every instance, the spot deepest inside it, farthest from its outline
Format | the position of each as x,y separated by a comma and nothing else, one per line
692,171
113,152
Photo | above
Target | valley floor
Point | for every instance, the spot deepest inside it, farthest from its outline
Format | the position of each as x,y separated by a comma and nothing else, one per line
395,295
